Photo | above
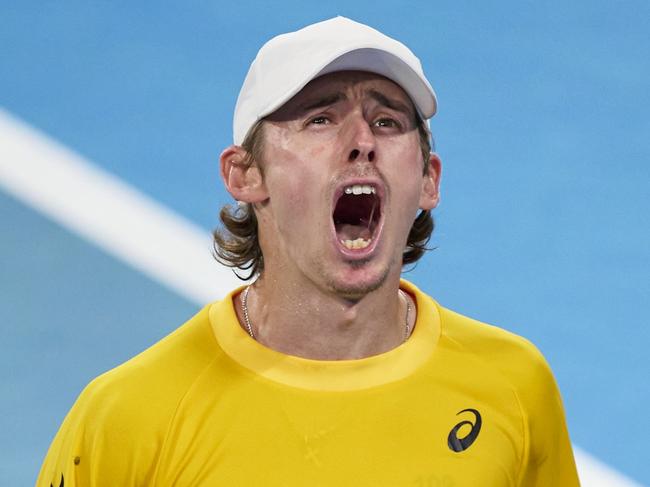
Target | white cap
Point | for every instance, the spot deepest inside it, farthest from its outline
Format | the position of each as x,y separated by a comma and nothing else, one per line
286,63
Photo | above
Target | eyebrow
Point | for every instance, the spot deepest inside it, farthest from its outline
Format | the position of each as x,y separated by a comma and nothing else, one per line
333,98
324,101
391,103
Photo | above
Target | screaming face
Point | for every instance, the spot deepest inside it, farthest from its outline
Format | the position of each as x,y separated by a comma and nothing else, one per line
343,181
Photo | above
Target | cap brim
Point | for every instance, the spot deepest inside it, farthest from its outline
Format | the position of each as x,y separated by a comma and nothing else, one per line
371,60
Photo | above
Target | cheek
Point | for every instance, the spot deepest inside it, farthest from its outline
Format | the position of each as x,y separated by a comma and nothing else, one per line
404,172
295,171
404,166
293,186
286,192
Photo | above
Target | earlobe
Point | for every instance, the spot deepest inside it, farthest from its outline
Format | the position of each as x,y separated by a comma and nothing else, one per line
430,196
243,181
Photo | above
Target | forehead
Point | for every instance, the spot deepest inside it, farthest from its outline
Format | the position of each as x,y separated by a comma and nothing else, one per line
351,84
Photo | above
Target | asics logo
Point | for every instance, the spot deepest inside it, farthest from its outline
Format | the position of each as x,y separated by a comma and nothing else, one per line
461,444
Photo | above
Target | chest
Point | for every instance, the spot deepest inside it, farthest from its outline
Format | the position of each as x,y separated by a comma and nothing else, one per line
431,432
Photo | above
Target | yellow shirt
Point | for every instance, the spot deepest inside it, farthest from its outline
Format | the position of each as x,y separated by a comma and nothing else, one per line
461,403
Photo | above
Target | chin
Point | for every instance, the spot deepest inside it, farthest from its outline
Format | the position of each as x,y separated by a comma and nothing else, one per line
357,280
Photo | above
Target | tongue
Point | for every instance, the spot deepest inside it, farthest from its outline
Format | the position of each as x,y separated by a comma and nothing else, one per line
346,231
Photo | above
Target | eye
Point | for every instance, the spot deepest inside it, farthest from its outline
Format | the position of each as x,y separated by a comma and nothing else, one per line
319,120
387,123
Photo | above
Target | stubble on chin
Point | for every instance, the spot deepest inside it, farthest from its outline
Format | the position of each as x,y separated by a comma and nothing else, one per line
353,291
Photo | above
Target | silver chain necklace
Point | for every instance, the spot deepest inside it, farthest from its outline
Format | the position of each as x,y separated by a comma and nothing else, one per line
249,327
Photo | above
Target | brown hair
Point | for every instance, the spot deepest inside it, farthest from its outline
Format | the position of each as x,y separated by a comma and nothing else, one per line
237,245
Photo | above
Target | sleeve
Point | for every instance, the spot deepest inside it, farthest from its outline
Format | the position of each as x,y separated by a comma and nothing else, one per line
99,444
58,468
549,454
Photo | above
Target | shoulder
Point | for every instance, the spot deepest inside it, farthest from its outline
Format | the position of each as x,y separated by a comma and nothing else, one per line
488,349
492,343
124,414
514,358
474,340
149,385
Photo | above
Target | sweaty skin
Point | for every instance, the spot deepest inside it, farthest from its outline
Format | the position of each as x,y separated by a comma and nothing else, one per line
315,298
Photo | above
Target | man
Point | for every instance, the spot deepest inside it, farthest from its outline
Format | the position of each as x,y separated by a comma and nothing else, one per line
328,369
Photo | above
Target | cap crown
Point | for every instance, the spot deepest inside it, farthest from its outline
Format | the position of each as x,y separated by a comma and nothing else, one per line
286,63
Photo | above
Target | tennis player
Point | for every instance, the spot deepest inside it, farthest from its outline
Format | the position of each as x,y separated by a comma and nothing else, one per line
328,370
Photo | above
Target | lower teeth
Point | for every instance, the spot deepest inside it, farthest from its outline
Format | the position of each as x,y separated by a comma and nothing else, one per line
359,243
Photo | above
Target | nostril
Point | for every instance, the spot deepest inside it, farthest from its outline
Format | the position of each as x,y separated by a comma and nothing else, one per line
355,153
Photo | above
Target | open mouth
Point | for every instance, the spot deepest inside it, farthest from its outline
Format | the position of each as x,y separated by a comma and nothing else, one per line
356,216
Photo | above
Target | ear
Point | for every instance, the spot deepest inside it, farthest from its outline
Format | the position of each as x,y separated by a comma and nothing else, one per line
243,181
430,195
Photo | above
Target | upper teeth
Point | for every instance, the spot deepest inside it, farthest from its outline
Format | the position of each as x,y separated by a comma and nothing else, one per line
360,189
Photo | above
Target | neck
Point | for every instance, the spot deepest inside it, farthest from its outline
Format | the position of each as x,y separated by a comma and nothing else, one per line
300,321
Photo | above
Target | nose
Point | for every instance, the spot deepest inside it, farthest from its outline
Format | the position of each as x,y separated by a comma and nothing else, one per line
362,141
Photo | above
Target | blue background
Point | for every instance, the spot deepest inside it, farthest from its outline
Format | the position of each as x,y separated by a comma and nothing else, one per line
543,130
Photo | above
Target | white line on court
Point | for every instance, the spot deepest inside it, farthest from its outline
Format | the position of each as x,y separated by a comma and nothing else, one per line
134,228
109,213
594,473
